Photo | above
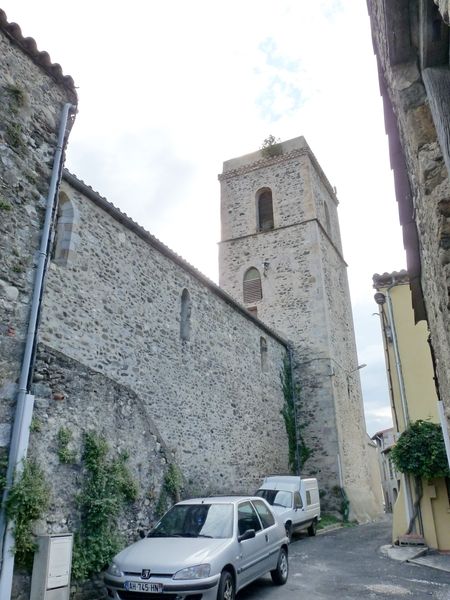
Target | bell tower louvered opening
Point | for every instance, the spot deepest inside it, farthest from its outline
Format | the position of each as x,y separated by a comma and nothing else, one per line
252,286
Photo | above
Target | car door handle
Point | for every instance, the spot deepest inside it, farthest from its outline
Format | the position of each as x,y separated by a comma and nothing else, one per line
267,537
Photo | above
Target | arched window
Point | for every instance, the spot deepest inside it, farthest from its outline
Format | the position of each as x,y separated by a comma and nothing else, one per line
66,237
252,286
263,351
327,218
265,209
185,316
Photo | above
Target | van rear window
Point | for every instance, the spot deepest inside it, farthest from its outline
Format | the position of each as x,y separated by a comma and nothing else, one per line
276,497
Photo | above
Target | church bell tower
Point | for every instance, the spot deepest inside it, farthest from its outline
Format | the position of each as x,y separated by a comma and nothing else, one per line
281,256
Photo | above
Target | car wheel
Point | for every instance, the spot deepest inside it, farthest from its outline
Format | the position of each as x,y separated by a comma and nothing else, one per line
312,528
226,587
280,574
288,527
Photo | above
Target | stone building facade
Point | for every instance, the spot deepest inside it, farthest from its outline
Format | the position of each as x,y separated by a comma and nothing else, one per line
137,345
124,305
411,43
281,255
133,342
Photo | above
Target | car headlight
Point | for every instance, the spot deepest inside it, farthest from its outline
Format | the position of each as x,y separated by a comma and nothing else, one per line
113,569
196,572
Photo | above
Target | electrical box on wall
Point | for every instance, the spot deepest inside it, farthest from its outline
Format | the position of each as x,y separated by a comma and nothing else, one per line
52,567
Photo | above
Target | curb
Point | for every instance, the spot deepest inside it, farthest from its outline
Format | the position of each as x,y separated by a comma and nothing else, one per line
328,528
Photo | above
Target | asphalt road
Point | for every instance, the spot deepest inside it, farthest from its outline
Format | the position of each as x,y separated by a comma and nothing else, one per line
347,564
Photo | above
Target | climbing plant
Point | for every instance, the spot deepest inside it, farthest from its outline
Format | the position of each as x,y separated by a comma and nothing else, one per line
65,455
298,451
106,489
28,499
420,451
170,490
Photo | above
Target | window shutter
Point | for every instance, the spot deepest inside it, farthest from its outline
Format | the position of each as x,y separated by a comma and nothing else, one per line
252,286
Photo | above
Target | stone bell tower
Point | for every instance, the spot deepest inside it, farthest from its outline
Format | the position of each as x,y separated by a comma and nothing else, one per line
281,256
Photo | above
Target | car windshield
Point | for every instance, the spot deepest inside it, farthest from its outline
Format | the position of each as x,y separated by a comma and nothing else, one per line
276,497
196,520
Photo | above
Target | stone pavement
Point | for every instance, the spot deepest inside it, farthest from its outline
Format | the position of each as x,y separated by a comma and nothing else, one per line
419,556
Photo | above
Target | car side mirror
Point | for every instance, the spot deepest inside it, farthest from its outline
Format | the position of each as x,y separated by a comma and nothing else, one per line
247,535
141,534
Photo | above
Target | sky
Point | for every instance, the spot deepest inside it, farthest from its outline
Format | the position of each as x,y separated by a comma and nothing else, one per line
168,90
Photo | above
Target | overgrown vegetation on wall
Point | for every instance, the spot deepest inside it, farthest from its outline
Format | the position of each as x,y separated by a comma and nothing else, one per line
298,451
65,454
271,146
27,501
171,489
420,451
15,100
107,488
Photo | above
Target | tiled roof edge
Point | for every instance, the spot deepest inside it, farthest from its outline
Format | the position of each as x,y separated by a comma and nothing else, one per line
397,277
42,59
117,214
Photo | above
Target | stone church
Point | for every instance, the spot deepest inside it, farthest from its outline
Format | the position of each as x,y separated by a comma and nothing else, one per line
103,328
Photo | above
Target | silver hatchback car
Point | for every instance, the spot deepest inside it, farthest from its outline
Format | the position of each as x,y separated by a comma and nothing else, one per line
202,549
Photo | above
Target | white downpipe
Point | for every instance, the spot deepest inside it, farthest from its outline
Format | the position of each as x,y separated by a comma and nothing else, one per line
25,402
444,426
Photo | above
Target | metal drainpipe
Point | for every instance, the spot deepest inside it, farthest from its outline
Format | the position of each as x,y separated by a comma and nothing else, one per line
401,383
25,401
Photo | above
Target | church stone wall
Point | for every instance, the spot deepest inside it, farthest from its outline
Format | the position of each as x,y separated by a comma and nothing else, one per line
31,101
72,397
116,308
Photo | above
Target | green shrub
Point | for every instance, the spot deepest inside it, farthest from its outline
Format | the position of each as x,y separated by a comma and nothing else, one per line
28,499
271,146
420,451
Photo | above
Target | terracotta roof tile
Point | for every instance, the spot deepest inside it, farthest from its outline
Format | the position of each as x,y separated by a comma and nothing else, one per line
42,59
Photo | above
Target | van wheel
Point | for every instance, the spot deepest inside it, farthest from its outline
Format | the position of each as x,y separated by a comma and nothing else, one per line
226,589
312,529
289,531
280,574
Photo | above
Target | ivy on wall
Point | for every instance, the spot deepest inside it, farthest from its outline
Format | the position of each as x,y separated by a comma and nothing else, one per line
65,454
27,501
420,451
171,489
298,451
107,488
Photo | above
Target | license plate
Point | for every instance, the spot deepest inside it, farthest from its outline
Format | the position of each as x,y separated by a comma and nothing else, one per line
143,586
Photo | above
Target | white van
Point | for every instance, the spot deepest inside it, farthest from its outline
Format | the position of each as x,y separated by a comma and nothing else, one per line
295,500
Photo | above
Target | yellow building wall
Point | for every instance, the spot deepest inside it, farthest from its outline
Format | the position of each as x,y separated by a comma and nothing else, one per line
421,403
